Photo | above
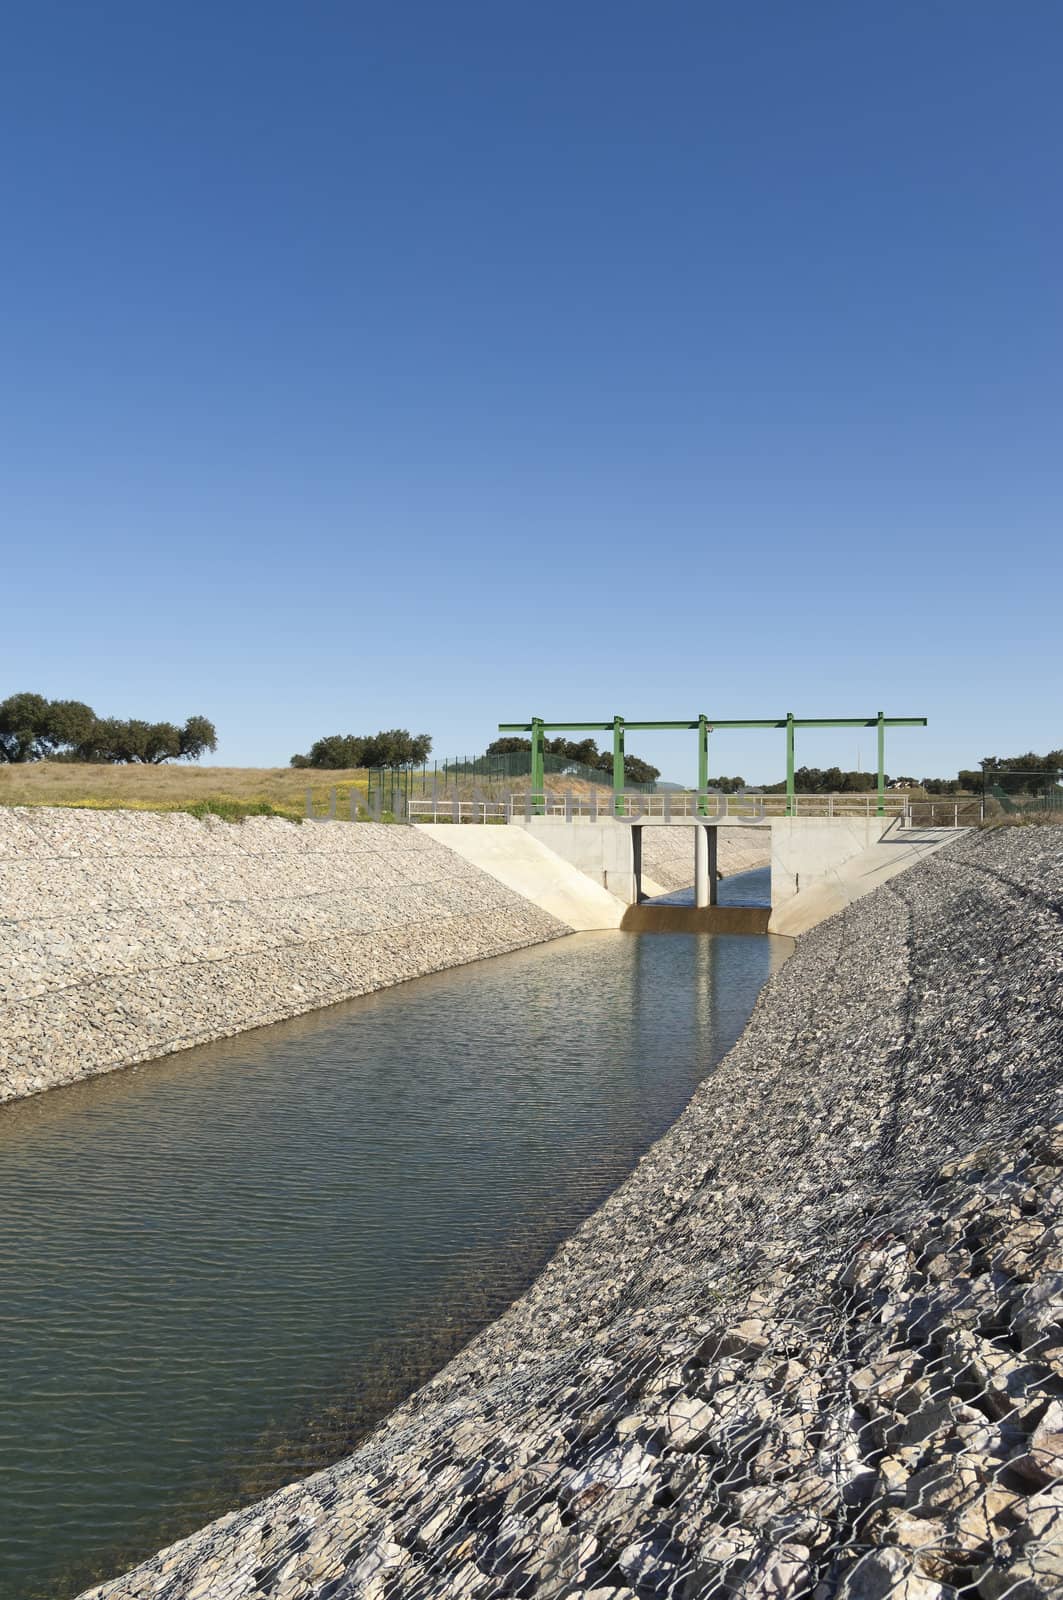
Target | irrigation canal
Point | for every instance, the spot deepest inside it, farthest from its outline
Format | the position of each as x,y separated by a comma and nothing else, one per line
220,1268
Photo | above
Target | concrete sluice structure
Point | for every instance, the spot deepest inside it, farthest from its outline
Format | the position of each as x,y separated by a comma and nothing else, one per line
818,864
813,1346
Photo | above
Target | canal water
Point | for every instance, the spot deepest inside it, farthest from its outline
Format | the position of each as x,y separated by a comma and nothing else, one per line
218,1270
743,889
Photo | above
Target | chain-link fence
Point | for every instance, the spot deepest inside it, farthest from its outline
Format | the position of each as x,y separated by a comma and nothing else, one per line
489,777
1017,792
516,765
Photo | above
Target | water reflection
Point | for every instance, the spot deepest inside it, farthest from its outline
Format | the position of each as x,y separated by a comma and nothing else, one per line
741,889
218,1269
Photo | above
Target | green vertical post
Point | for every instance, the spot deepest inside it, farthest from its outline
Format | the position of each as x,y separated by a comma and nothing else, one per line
538,795
881,765
618,766
703,763
790,808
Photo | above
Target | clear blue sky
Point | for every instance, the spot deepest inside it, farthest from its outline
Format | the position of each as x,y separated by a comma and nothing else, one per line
437,364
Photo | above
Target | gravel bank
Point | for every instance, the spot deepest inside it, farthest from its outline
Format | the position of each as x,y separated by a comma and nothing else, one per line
125,935
668,853
813,1346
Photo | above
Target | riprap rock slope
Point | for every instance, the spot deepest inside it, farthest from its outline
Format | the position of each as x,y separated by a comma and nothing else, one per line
813,1346
125,935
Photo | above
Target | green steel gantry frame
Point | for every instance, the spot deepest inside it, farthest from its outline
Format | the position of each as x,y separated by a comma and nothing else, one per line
538,728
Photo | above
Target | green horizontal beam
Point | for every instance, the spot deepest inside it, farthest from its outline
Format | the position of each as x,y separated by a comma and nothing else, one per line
553,727
859,722
605,727
693,724
718,722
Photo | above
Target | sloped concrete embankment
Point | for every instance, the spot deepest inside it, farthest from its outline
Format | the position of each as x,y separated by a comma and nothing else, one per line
819,865
533,871
126,935
813,1346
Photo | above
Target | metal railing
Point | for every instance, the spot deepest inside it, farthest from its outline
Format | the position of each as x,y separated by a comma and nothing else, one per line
450,808
423,796
748,808
945,813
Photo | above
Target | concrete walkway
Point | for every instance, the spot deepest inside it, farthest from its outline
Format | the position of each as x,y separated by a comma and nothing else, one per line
856,877
519,861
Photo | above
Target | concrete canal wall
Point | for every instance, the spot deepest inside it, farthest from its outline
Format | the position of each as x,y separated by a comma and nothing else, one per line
812,1347
125,935
604,850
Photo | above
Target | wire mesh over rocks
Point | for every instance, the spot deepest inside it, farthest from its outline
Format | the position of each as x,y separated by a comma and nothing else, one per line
812,1347
125,935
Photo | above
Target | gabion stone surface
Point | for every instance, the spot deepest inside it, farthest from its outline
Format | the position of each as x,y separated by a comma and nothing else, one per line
125,935
812,1346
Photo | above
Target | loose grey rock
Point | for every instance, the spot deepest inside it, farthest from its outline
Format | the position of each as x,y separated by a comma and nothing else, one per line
127,935
840,1270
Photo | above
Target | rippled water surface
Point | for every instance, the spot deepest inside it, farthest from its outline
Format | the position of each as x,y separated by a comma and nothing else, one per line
743,889
219,1268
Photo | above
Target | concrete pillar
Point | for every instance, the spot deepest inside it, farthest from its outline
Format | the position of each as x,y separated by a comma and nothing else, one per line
701,866
706,876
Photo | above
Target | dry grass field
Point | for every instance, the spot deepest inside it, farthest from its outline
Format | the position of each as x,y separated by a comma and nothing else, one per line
227,790
224,791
